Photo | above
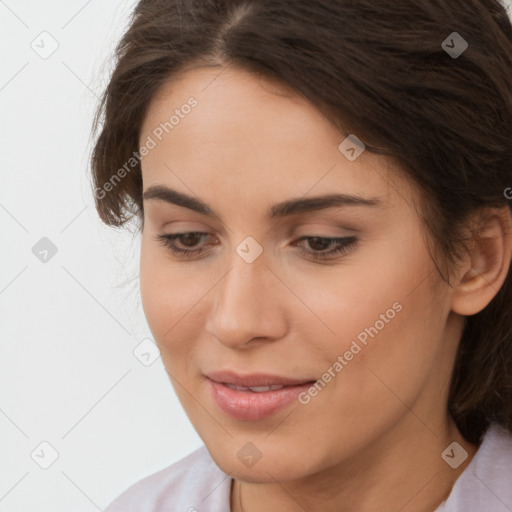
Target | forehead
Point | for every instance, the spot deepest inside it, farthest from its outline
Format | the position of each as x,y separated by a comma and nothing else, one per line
251,132
230,98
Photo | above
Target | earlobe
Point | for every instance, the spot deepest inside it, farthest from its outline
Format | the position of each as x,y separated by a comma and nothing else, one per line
488,264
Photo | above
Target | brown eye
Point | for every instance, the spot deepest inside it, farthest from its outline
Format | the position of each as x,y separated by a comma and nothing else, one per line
318,246
189,239
179,242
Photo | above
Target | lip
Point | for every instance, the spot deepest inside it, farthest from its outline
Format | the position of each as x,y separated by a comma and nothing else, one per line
247,405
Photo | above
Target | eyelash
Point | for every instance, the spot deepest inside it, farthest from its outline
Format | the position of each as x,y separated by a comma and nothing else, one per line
346,245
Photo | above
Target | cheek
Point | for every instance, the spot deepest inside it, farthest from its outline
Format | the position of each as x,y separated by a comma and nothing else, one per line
169,296
365,293
388,325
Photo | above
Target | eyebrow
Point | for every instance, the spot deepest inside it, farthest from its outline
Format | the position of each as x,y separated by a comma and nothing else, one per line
286,208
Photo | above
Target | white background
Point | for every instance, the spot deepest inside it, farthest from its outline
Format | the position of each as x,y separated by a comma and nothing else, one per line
68,375
69,326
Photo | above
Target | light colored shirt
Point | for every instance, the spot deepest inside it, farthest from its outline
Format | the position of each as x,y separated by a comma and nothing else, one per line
196,484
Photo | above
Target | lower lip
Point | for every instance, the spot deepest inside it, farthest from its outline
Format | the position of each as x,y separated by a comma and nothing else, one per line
251,406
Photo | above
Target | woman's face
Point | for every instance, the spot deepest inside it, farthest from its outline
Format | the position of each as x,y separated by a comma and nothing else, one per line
301,262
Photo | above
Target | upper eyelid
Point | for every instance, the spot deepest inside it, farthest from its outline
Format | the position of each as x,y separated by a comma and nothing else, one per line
326,217
301,237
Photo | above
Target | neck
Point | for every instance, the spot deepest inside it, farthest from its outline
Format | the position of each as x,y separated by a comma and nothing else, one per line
402,470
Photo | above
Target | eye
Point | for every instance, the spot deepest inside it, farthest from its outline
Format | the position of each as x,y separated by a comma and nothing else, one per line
322,248
187,240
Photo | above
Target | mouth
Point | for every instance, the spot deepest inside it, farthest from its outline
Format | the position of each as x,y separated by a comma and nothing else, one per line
254,397
254,389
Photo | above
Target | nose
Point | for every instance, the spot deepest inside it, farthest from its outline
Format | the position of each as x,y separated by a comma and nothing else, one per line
247,308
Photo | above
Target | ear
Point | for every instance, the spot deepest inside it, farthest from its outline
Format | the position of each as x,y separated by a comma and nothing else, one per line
485,268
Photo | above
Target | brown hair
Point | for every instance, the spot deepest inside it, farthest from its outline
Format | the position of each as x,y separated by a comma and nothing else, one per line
378,69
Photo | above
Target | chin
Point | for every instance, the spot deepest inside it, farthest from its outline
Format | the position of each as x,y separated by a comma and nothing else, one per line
272,465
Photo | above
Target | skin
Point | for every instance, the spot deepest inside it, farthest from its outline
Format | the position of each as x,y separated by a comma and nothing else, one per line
372,439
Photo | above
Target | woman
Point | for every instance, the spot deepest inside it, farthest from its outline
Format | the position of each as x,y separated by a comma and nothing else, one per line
326,239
